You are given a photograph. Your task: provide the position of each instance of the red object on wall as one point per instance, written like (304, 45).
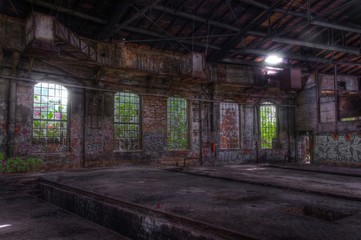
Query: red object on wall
(214, 147)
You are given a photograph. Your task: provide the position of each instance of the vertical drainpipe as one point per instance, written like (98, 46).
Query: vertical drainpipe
(336, 98)
(255, 131)
(289, 134)
(1, 56)
(200, 132)
(12, 107)
(83, 128)
(295, 133)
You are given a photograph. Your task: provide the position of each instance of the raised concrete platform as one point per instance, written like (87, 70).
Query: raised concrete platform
(24, 217)
(233, 202)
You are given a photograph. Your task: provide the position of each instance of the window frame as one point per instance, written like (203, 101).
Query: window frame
(238, 120)
(139, 123)
(268, 104)
(186, 118)
(62, 140)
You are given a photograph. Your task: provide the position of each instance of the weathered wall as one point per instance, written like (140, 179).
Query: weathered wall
(91, 82)
(335, 142)
(307, 110)
(341, 149)
(154, 125)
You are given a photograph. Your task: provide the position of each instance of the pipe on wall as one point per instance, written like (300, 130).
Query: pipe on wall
(84, 163)
(110, 90)
(12, 106)
(200, 132)
(336, 98)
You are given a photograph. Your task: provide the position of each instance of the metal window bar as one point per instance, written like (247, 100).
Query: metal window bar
(127, 128)
(50, 113)
(268, 124)
(229, 125)
(177, 119)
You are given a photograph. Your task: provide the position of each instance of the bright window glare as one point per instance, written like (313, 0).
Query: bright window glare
(5, 225)
(273, 59)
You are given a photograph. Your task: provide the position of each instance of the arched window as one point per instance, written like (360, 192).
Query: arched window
(268, 122)
(229, 125)
(127, 127)
(50, 113)
(177, 115)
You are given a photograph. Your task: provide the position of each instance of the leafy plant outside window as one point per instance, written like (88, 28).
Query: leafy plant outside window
(127, 128)
(177, 123)
(50, 113)
(268, 124)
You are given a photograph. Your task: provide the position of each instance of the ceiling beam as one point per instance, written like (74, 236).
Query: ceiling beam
(190, 16)
(288, 56)
(195, 18)
(336, 26)
(158, 35)
(67, 11)
(140, 13)
(321, 23)
(116, 13)
(316, 45)
(231, 43)
(251, 63)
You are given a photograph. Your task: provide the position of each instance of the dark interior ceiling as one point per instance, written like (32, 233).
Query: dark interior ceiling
(309, 34)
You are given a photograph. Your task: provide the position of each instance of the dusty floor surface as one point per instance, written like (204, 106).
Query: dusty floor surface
(234, 197)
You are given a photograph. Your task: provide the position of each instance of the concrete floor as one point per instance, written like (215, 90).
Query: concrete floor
(260, 201)
(279, 202)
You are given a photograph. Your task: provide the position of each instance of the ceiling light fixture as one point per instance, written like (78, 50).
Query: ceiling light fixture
(273, 59)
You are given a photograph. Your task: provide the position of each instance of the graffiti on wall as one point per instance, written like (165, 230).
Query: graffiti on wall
(154, 142)
(340, 148)
(267, 155)
(229, 125)
(236, 156)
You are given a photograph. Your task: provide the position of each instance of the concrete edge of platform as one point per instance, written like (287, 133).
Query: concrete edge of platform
(314, 170)
(128, 219)
(267, 184)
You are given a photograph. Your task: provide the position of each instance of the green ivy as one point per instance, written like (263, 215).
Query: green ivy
(18, 164)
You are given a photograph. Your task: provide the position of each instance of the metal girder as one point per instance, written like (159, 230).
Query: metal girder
(320, 23)
(67, 11)
(288, 56)
(150, 33)
(231, 43)
(316, 45)
(154, 34)
(251, 63)
(140, 13)
(336, 26)
(117, 12)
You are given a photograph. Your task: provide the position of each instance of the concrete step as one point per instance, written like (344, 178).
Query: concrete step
(129, 219)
